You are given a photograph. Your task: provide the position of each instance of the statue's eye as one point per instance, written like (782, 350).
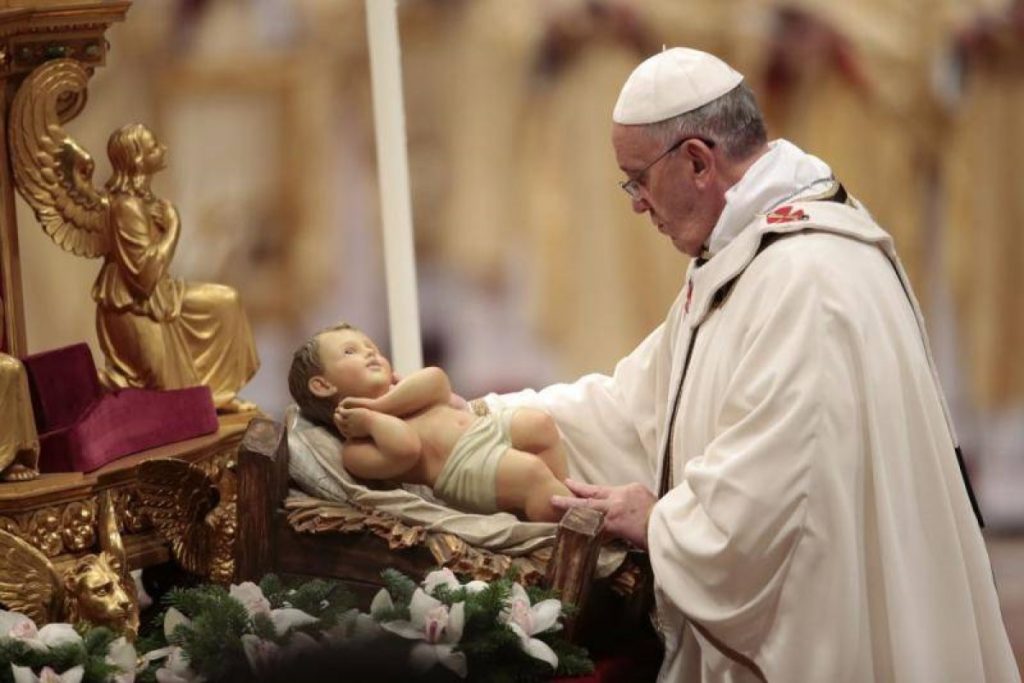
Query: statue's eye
(103, 590)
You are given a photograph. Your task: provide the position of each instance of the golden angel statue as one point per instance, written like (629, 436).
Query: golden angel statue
(156, 331)
(195, 512)
(97, 588)
(19, 443)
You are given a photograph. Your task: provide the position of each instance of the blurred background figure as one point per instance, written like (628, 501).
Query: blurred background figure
(532, 267)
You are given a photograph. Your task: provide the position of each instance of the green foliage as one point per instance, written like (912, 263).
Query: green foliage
(494, 652)
(90, 654)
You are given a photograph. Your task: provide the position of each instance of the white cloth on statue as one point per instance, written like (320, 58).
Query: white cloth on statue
(817, 526)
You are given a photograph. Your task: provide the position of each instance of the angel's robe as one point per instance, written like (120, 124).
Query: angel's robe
(161, 332)
(19, 443)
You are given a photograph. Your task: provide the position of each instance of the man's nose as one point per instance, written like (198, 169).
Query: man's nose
(640, 205)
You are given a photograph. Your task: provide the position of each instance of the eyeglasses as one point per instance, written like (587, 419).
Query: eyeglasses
(633, 185)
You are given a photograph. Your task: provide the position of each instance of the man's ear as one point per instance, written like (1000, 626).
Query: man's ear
(320, 387)
(700, 157)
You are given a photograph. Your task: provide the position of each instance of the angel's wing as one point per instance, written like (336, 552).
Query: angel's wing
(177, 496)
(28, 582)
(51, 172)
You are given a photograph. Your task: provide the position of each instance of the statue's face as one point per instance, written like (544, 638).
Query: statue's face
(153, 153)
(101, 597)
(353, 364)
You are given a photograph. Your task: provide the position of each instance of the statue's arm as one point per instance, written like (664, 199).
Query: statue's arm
(391, 449)
(143, 260)
(421, 389)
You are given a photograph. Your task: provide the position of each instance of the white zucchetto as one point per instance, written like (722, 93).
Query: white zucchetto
(671, 83)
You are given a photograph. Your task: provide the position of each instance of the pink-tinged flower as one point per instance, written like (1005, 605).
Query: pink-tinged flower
(527, 620)
(439, 626)
(23, 674)
(252, 599)
(19, 627)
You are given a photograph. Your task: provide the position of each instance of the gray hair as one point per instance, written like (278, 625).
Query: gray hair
(733, 121)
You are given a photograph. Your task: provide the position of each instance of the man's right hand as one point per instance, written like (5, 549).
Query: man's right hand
(627, 508)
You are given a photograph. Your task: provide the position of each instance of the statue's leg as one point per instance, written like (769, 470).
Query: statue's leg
(216, 331)
(19, 446)
(534, 431)
(524, 484)
(142, 352)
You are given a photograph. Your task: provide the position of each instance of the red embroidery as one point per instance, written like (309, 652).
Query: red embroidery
(786, 214)
(689, 296)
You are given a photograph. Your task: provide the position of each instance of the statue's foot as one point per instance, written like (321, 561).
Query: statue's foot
(19, 472)
(237, 405)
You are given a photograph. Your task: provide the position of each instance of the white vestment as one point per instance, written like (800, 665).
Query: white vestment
(816, 526)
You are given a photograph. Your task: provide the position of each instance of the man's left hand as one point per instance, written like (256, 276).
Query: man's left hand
(626, 508)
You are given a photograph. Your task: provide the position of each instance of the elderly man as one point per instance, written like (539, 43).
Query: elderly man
(780, 444)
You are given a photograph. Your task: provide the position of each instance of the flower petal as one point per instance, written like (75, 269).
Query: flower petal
(456, 661)
(23, 674)
(538, 649)
(420, 604)
(55, 635)
(381, 601)
(474, 587)
(422, 657)
(405, 629)
(519, 593)
(441, 577)
(250, 596)
(121, 654)
(172, 619)
(73, 675)
(287, 618)
(10, 620)
(545, 615)
(456, 621)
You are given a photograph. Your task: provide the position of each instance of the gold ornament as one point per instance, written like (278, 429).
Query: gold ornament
(195, 512)
(156, 331)
(96, 589)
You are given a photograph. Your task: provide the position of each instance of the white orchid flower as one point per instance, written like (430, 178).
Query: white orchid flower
(251, 597)
(446, 577)
(122, 655)
(254, 602)
(439, 627)
(172, 619)
(441, 577)
(527, 621)
(23, 674)
(176, 669)
(19, 627)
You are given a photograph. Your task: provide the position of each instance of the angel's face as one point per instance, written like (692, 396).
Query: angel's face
(352, 365)
(153, 153)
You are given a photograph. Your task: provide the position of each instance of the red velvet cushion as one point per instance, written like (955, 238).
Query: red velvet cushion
(63, 383)
(82, 427)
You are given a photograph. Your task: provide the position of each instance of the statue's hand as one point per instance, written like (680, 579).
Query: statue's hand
(360, 402)
(162, 214)
(353, 423)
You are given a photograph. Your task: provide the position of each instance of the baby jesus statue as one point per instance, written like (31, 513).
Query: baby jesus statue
(406, 431)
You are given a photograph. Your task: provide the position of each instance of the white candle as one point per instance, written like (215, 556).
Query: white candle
(393, 175)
